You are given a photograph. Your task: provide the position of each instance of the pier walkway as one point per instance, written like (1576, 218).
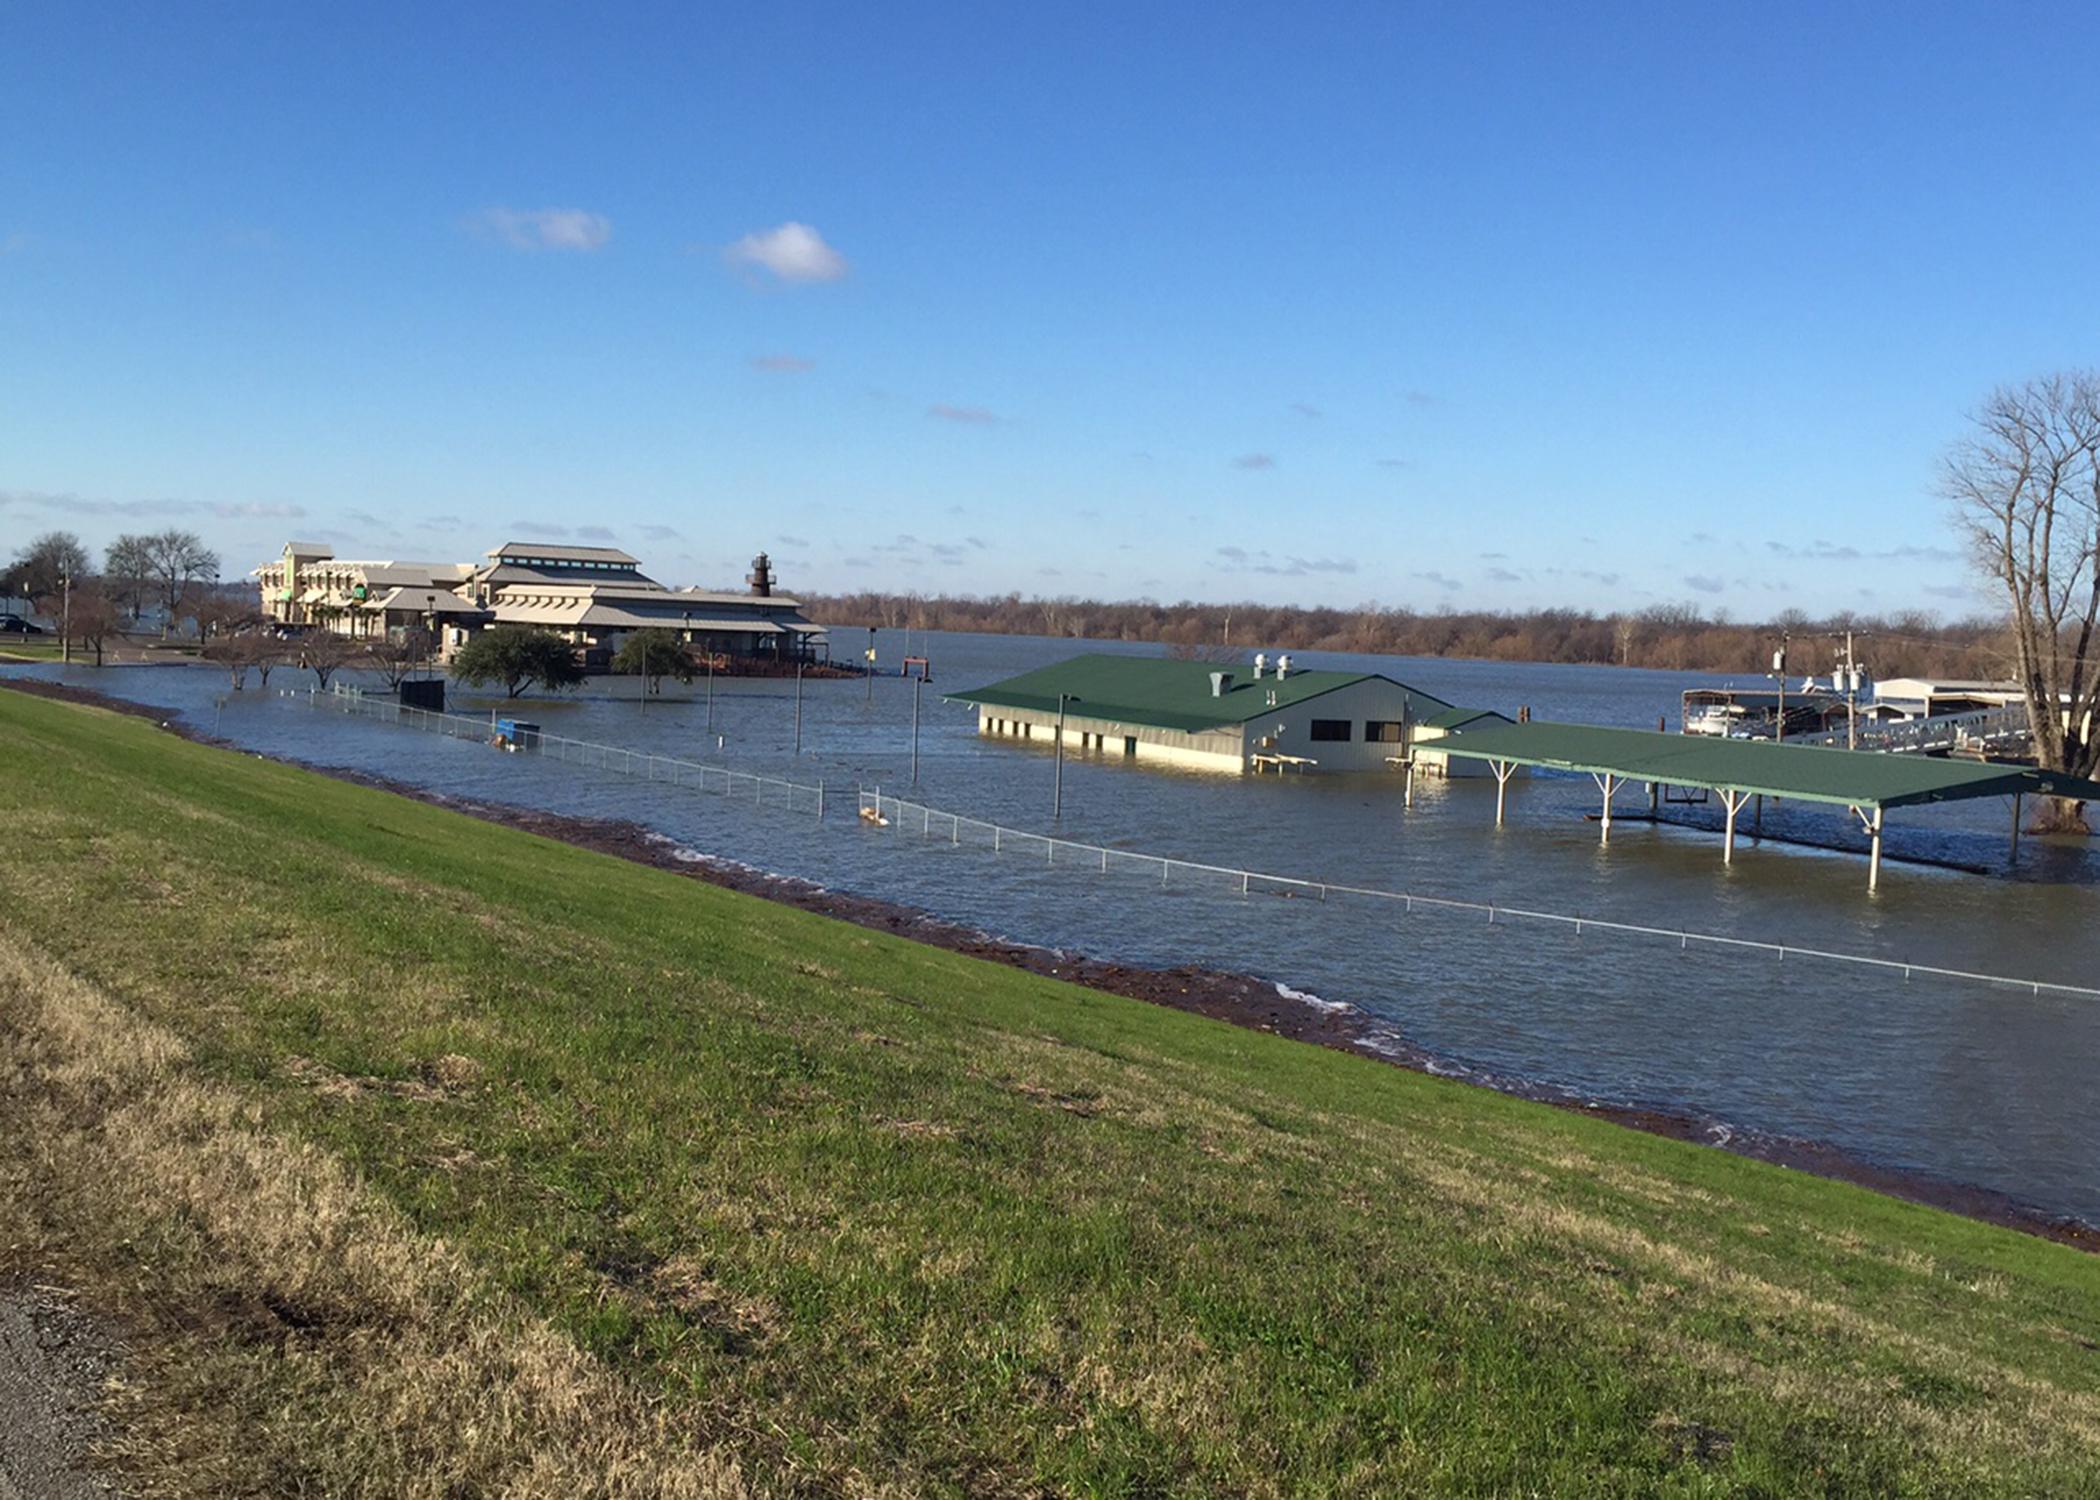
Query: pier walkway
(1739, 770)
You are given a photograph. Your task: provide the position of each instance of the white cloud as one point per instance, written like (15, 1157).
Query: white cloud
(792, 252)
(548, 228)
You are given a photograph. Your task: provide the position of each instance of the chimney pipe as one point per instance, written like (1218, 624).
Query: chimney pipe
(1261, 662)
(1283, 666)
(1220, 684)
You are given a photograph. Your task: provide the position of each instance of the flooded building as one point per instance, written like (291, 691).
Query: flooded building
(1232, 718)
(593, 597)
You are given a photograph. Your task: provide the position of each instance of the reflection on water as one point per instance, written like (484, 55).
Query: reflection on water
(1978, 1084)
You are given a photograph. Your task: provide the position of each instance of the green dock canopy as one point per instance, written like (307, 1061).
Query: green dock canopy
(1808, 773)
(1170, 694)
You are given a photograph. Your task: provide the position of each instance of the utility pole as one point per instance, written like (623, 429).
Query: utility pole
(871, 665)
(798, 705)
(1851, 671)
(1779, 671)
(916, 684)
(710, 689)
(65, 618)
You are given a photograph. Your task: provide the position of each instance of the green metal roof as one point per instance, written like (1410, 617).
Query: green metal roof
(1458, 718)
(1808, 773)
(1166, 694)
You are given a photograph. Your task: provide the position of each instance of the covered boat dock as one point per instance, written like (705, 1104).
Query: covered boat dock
(1738, 770)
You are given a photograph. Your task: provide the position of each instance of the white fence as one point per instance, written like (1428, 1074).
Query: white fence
(763, 791)
(1081, 858)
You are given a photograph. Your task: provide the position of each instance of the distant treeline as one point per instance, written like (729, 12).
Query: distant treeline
(1677, 637)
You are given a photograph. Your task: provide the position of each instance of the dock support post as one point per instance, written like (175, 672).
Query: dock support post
(1408, 797)
(1503, 770)
(1733, 802)
(1654, 799)
(1757, 818)
(1874, 858)
(2014, 861)
(1610, 785)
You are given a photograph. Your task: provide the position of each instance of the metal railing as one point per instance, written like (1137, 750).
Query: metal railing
(1981, 729)
(1075, 856)
(762, 791)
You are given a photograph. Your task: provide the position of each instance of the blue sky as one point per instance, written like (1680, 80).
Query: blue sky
(1426, 305)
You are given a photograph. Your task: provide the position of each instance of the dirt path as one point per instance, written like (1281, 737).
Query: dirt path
(53, 1360)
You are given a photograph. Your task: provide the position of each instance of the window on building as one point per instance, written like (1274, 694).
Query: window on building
(1330, 730)
(1384, 731)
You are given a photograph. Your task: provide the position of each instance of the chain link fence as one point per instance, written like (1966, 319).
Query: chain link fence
(1074, 856)
(522, 737)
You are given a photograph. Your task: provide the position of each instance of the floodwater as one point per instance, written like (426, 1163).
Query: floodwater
(1978, 1084)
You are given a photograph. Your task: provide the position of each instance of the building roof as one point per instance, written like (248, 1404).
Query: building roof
(1171, 694)
(1458, 718)
(535, 586)
(425, 601)
(1808, 773)
(619, 617)
(556, 552)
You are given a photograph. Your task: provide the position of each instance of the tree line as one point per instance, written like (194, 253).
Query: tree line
(1678, 637)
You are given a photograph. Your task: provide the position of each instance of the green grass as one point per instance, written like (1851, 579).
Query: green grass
(14, 648)
(905, 1218)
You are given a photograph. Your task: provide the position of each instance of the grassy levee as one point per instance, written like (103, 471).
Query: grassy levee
(559, 1174)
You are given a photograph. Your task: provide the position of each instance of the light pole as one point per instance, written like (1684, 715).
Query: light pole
(916, 684)
(65, 618)
(1057, 782)
(871, 665)
(798, 705)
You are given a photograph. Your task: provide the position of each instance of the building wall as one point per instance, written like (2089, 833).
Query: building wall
(1218, 751)
(1286, 731)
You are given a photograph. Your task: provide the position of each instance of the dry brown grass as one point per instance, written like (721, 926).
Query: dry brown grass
(289, 1331)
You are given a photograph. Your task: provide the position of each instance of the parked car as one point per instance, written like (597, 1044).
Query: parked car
(16, 625)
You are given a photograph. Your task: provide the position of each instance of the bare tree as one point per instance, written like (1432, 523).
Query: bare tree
(87, 616)
(178, 559)
(324, 653)
(236, 653)
(219, 614)
(45, 564)
(2026, 486)
(265, 651)
(127, 569)
(396, 658)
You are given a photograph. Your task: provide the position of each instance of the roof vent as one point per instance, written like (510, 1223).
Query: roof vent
(1261, 664)
(1220, 684)
(1283, 666)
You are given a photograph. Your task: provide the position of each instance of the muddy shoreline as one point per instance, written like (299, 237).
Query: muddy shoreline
(1237, 999)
